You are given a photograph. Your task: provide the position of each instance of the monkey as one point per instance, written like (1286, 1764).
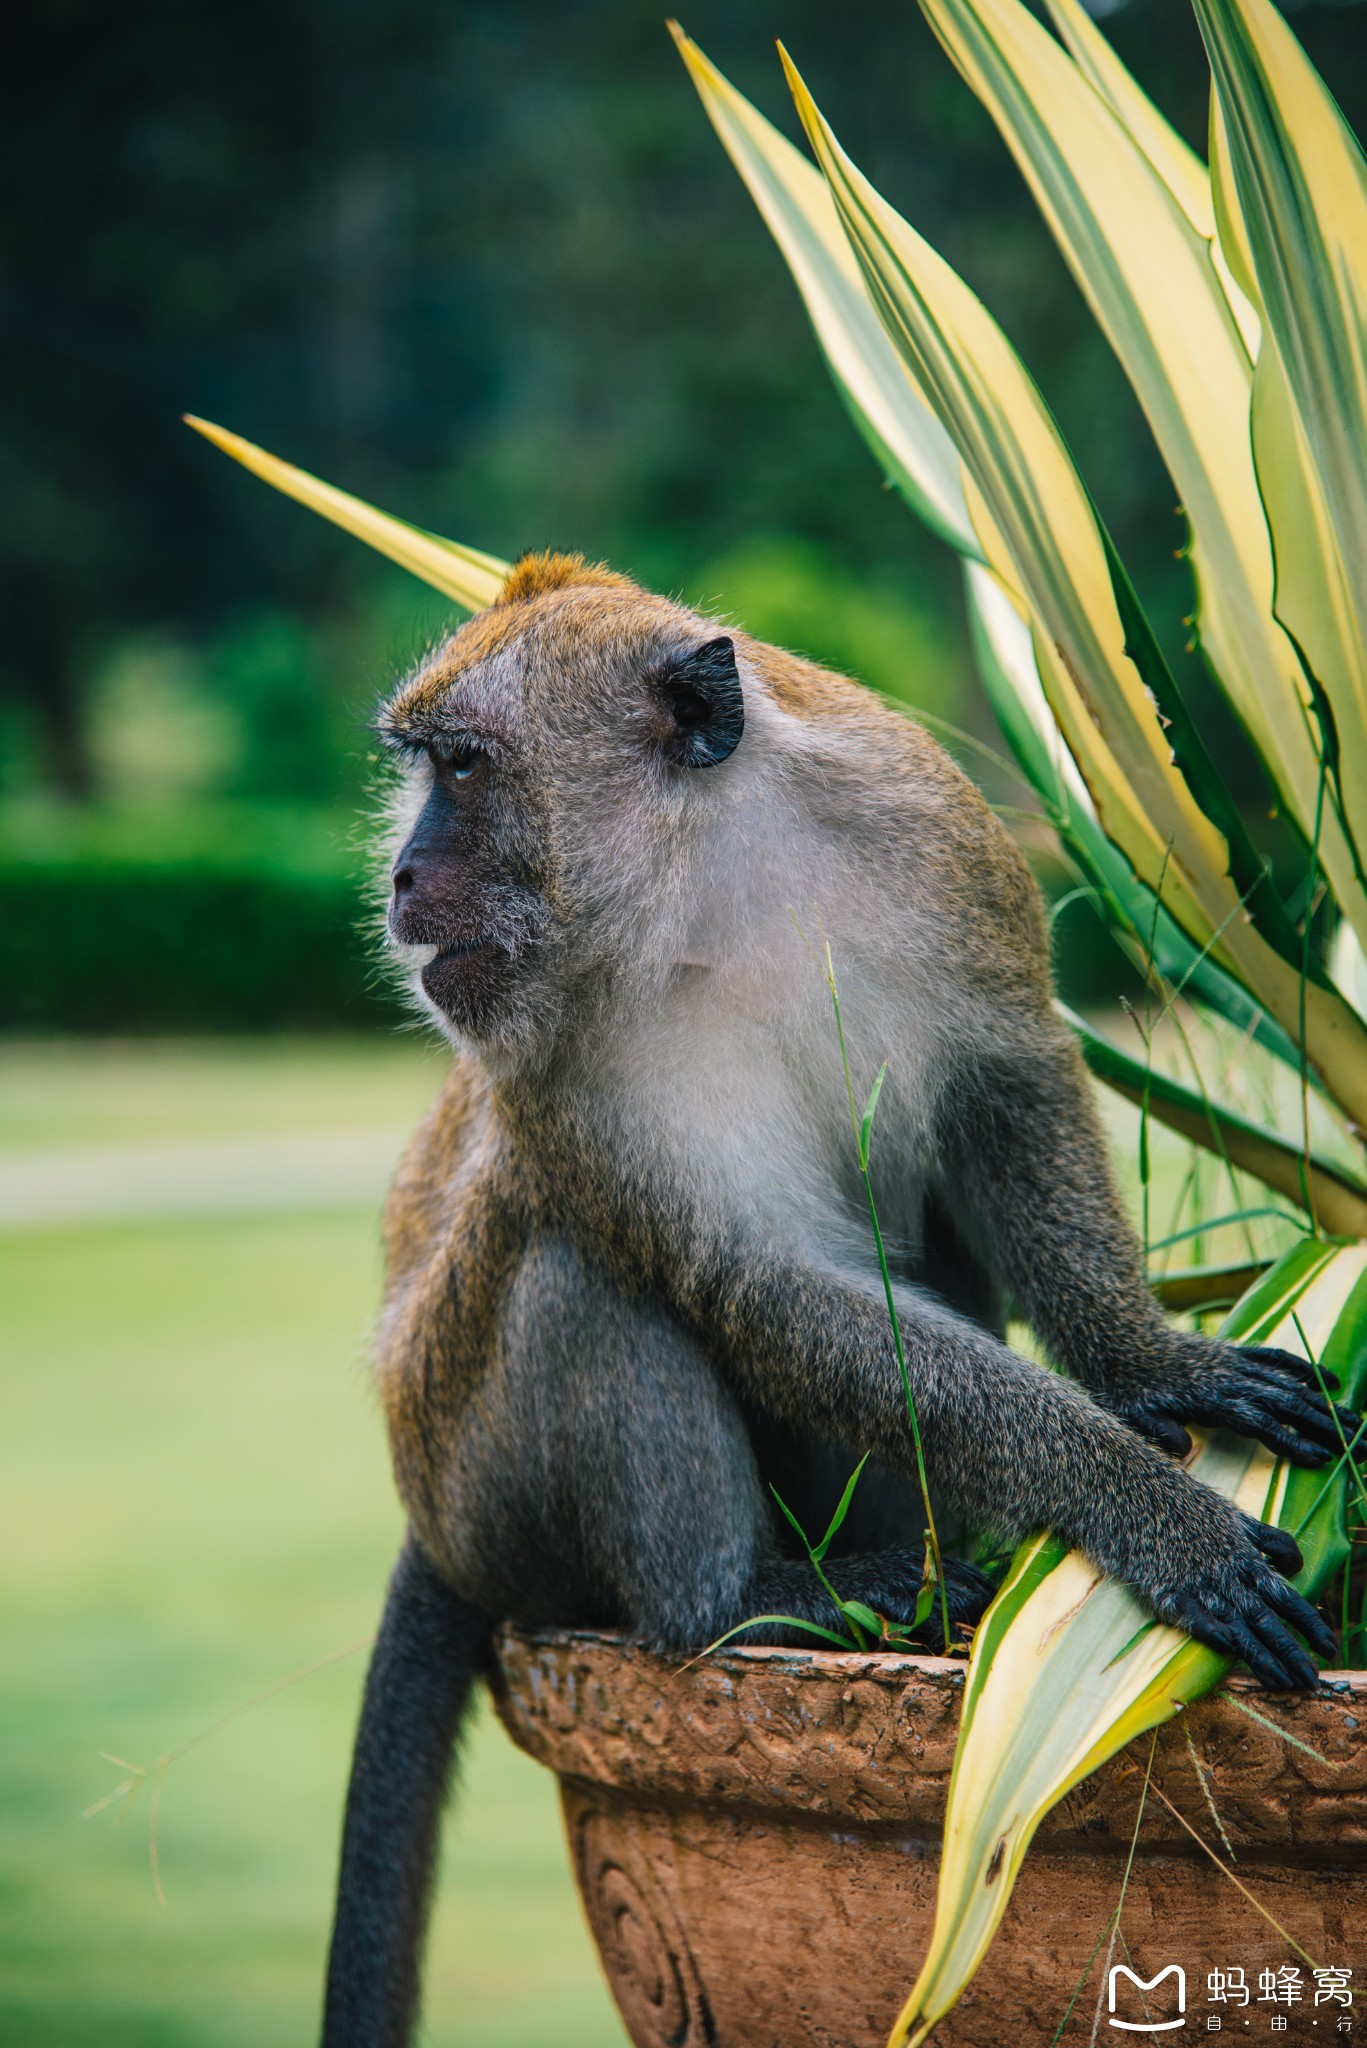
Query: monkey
(630, 1281)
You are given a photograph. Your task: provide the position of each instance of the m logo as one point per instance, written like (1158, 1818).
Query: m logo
(1149, 1984)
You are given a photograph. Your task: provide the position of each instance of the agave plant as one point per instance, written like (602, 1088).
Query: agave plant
(1235, 297)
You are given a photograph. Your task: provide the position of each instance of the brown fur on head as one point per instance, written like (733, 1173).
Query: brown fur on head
(533, 573)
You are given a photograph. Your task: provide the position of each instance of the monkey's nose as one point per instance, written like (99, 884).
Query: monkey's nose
(402, 881)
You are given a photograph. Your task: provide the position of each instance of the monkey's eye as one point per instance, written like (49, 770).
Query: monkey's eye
(455, 758)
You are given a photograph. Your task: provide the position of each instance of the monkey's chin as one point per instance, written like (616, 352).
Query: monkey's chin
(469, 984)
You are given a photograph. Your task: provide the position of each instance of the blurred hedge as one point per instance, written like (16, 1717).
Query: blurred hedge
(220, 918)
(245, 917)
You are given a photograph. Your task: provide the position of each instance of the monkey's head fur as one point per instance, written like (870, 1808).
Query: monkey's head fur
(603, 791)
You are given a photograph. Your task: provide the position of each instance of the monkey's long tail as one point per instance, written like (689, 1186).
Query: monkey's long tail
(429, 1652)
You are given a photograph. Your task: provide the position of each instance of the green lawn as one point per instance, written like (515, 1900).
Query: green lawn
(195, 1501)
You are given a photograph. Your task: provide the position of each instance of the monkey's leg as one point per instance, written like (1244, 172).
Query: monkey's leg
(889, 1581)
(426, 1657)
(1027, 1175)
(617, 1460)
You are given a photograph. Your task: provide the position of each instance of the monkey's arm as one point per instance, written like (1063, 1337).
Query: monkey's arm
(1012, 1446)
(1025, 1171)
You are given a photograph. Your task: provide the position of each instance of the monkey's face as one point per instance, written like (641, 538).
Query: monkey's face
(462, 892)
(545, 750)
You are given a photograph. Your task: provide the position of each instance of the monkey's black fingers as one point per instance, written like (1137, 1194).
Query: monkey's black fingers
(1222, 1629)
(1159, 1427)
(1297, 1610)
(1269, 1356)
(1154, 1418)
(1249, 1419)
(1294, 1403)
(1279, 1546)
(1293, 1424)
(1271, 1651)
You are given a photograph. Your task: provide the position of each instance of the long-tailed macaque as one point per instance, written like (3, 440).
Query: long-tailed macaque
(630, 1278)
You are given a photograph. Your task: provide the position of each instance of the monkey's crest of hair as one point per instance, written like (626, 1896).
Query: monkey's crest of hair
(534, 573)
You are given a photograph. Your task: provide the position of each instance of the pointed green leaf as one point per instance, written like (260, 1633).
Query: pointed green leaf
(842, 1509)
(1148, 276)
(468, 576)
(1176, 164)
(1005, 658)
(870, 1108)
(906, 438)
(1042, 540)
(930, 1588)
(1295, 204)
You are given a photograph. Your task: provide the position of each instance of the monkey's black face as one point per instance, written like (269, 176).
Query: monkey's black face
(462, 886)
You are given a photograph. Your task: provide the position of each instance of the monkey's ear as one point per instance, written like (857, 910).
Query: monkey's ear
(701, 692)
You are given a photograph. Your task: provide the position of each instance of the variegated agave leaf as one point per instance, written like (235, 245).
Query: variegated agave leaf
(466, 575)
(1067, 1666)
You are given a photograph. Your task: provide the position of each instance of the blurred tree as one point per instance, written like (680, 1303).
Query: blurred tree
(486, 264)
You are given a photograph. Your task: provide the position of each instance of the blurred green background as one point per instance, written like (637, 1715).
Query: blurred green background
(195, 1502)
(487, 266)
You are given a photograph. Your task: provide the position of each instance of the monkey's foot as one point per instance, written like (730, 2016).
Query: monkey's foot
(889, 1582)
(1242, 1611)
(1255, 1391)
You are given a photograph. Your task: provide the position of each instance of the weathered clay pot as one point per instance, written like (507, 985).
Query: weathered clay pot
(756, 1841)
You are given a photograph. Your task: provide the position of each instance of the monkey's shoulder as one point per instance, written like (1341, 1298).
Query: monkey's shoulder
(914, 833)
(438, 1157)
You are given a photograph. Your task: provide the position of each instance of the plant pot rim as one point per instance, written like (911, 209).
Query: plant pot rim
(867, 1739)
(912, 1662)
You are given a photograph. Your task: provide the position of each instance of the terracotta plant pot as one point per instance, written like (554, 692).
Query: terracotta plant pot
(756, 1840)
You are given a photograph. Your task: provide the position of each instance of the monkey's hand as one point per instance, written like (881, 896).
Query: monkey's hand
(1251, 1389)
(1241, 1604)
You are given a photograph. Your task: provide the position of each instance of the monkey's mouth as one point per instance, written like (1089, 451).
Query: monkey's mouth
(467, 978)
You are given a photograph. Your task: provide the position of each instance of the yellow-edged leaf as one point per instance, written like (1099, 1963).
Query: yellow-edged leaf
(1231, 234)
(1147, 273)
(1335, 1200)
(1175, 162)
(797, 208)
(793, 198)
(1294, 202)
(1067, 1667)
(1040, 537)
(467, 575)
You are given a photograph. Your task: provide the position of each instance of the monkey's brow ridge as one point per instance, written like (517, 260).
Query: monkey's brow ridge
(418, 728)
